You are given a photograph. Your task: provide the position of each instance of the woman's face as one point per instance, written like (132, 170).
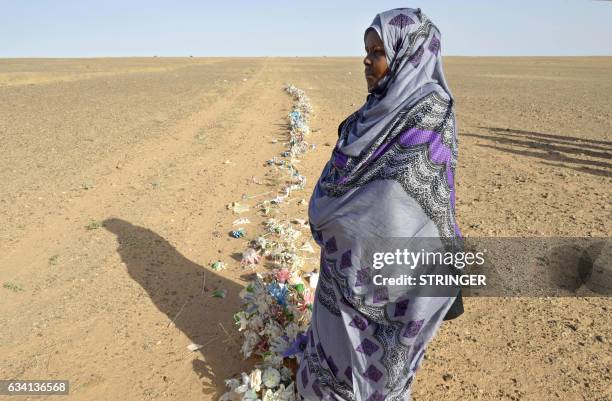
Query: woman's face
(375, 60)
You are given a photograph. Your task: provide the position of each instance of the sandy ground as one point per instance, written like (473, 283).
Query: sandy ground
(138, 146)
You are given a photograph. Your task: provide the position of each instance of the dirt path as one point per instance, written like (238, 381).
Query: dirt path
(99, 311)
(139, 147)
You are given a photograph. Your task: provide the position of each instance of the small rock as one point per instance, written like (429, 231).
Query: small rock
(447, 376)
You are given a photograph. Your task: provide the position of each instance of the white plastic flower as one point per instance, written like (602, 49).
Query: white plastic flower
(271, 378)
(245, 384)
(292, 330)
(255, 380)
(313, 280)
(232, 383)
(279, 344)
(285, 373)
(286, 394)
(273, 359)
(262, 301)
(269, 395)
(273, 330)
(295, 278)
(242, 321)
(250, 257)
(250, 395)
(256, 323)
(250, 340)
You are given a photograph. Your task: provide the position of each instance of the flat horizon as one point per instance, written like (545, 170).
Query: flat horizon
(246, 57)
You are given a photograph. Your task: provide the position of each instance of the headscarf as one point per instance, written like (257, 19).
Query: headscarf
(412, 47)
(411, 107)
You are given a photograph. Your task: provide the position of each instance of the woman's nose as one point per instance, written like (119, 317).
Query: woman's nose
(367, 61)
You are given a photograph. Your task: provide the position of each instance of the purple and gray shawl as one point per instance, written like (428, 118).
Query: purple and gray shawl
(391, 175)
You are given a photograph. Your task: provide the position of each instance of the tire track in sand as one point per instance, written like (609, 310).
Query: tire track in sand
(91, 298)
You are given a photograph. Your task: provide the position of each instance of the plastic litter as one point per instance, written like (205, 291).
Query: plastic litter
(241, 221)
(217, 265)
(307, 247)
(301, 222)
(278, 301)
(237, 207)
(238, 233)
(250, 257)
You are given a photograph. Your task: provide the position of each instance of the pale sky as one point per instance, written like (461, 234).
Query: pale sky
(85, 28)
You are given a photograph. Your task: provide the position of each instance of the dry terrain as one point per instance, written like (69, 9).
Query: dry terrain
(114, 185)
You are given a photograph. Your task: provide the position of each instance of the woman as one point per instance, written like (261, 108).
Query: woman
(391, 175)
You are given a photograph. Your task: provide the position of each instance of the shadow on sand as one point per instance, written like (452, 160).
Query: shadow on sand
(555, 150)
(176, 286)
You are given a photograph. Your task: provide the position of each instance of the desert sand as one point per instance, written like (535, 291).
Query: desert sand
(114, 185)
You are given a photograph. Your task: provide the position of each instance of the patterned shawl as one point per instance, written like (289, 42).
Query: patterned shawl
(405, 132)
(391, 175)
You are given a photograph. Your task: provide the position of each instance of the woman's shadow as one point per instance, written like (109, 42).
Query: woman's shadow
(182, 290)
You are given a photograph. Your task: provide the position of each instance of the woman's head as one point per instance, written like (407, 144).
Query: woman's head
(402, 53)
(375, 61)
(402, 65)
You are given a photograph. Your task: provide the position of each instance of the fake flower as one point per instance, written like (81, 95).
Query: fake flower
(237, 207)
(313, 280)
(250, 257)
(283, 275)
(278, 292)
(238, 233)
(307, 300)
(276, 305)
(255, 379)
(217, 265)
(271, 377)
